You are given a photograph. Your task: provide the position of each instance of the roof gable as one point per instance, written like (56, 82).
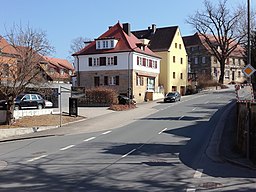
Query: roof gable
(160, 39)
(125, 43)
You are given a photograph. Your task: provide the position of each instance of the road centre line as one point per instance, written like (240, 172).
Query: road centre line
(89, 139)
(194, 109)
(198, 173)
(162, 131)
(36, 158)
(128, 153)
(106, 132)
(68, 147)
(206, 102)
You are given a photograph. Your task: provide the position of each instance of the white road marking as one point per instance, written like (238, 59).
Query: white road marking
(162, 131)
(128, 153)
(36, 158)
(206, 102)
(89, 139)
(194, 109)
(106, 132)
(181, 117)
(190, 190)
(198, 173)
(68, 147)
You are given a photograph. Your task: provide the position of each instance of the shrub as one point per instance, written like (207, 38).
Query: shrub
(120, 107)
(101, 95)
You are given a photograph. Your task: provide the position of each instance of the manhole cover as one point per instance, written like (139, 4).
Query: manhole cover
(210, 185)
(3, 164)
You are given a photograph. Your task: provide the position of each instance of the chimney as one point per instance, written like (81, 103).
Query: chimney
(127, 28)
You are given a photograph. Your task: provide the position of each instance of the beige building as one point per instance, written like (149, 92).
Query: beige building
(168, 44)
(202, 62)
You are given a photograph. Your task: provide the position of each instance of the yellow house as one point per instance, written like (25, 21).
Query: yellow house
(167, 42)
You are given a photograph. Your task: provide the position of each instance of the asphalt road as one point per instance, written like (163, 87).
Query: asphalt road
(163, 151)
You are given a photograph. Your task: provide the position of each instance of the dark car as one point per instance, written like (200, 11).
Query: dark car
(172, 97)
(125, 100)
(25, 101)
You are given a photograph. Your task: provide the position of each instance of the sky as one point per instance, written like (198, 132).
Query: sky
(65, 20)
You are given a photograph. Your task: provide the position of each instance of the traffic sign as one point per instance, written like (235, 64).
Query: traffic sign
(248, 70)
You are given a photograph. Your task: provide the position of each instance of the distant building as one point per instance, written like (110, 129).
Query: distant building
(119, 60)
(168, 44)
(202, 62)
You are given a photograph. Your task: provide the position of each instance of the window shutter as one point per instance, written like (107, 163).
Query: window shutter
(102, 61)
(90, 61)
(115, 60)
(117, 80)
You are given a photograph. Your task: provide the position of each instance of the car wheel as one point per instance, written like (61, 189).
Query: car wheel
(16, 107)
(40, 106)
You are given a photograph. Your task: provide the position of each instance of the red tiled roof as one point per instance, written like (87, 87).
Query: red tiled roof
(5, 47)
(59, 63)
(125, 43)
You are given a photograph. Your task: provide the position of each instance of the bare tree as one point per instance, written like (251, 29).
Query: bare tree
(78, 44)
(221, 29)
(23, 68)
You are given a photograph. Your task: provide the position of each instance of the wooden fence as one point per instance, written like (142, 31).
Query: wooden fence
(246, 121)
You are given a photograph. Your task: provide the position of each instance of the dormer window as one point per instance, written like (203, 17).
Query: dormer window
(106, 43)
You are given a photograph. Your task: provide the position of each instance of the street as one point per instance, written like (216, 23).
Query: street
(163, 151)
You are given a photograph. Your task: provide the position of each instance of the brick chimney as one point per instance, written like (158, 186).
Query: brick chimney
(127, 28)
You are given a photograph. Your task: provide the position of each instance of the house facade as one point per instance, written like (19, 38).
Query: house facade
(202, 62)
(120, 61)
(168, 44)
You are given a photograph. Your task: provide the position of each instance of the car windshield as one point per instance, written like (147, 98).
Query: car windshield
(171, 94)
(19, 97)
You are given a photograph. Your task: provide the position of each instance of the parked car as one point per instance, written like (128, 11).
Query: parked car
(125, 100)
(24, 101)
(48, 104)
(172, 97)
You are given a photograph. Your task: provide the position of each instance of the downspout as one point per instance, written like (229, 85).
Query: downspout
(78, 72)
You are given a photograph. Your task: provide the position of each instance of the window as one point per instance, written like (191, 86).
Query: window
(113, 80)
(33, 97)
(90, 61)
(106, 44)
(234, 61)
(144, 62)
(181, 60)
(105, 80)
(112, 43)
(239, 74)
(139, 80)
(203, 59)
(215, 60)
(102, 61)
(173, 75)
(239, 61)
(181, 76)
(96, 81)
(179, 46)
(173, 59)
(196, 60)
(98, 44)
(175, 45)
(150, 63)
